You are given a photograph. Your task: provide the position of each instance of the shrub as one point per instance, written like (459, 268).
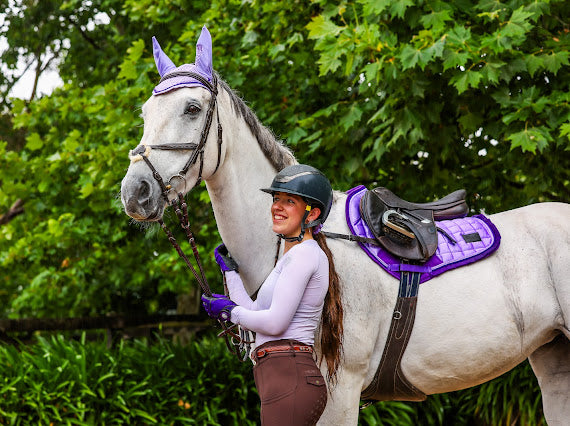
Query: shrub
(76, 382)
(63, 381)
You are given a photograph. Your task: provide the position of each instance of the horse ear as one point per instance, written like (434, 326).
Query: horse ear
(163, 62)
(204, 53)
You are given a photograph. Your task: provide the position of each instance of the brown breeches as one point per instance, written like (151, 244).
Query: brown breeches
(290, 385)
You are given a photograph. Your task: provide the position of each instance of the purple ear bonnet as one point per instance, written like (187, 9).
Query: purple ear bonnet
(202, 65)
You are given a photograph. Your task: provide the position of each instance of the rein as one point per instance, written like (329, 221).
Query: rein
(240, 345)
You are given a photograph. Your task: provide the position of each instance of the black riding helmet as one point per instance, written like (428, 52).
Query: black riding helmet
(308, 183)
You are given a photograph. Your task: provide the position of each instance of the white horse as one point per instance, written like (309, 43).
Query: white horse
(472, 324)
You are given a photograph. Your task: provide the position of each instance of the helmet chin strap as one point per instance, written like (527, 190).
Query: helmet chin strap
(304, 226)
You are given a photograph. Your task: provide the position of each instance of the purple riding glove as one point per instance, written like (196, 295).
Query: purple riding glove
(218, 306)
(225, 259)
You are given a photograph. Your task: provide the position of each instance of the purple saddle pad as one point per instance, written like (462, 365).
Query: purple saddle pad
(476, 237)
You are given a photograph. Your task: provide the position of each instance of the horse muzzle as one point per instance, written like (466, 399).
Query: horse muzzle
(142, 198)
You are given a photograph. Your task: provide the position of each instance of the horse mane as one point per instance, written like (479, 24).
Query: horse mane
(274, 149)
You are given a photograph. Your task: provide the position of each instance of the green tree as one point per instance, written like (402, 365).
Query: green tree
(421, 97)
(73, 251)
(447, 93)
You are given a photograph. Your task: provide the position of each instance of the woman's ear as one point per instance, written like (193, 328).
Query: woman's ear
(314, 214)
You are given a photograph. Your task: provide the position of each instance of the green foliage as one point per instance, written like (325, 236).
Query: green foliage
(74, 251)
(66, 382)
(477, 87)
(77, 382)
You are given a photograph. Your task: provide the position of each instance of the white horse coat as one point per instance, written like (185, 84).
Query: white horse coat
(472, 323)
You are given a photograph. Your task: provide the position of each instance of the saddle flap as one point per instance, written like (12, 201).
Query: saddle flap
(406, 234)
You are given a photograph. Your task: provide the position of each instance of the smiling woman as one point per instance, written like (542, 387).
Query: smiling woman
(301, 292)
(287, 213)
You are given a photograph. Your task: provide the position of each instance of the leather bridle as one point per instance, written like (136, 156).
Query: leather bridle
(197, 149)
(237, 344)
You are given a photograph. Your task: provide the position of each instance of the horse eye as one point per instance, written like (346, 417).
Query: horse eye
(192, 109)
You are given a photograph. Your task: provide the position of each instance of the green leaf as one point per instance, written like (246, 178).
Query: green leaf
(34, 142)
(529, 140)
(372, 71)
(296, 135)
(459, 36)
(436, 20)
(71, 142)
(128, 67)
(249, 38)
(320, 27)
(374, 7)
(517, 25)
(275, 50)
(295, 38)
(329, 61)
(555, 60)
(353, 116)
(409, 57)
(497, 42)
(492, 70)
(454, 59)
(565, 130)
(128, 71)
(87, 189)
(398, 8)
(465, 79)
(136, 50)
(534, 63)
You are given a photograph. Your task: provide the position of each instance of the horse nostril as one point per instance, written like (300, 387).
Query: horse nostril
(144, 191)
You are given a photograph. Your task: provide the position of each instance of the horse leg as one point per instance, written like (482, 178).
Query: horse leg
(343, 405)
(551, 365)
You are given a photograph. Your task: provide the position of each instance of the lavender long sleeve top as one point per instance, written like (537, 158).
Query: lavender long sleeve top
(290, 301)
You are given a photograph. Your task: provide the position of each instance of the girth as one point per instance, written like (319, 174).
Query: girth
(389, 382)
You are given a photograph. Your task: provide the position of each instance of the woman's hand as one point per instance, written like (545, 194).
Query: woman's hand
(225, 259)
(218, 306)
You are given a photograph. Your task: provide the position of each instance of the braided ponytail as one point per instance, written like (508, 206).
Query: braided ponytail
(332, 318)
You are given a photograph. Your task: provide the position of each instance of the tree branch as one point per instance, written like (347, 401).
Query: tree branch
(83, 33)
(16, 209)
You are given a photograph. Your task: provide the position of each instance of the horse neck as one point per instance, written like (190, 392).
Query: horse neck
(241, 210)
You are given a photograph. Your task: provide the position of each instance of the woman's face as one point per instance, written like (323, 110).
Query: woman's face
(287, 212)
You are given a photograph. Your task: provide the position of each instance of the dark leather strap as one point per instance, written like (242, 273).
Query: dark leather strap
(172, 147)
(389, 382)
(351, 237)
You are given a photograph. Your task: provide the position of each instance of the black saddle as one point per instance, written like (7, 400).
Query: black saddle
(405, 229)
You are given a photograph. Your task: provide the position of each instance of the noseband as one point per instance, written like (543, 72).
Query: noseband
(197, 149)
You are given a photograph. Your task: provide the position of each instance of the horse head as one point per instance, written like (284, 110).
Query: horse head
(182, 108)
